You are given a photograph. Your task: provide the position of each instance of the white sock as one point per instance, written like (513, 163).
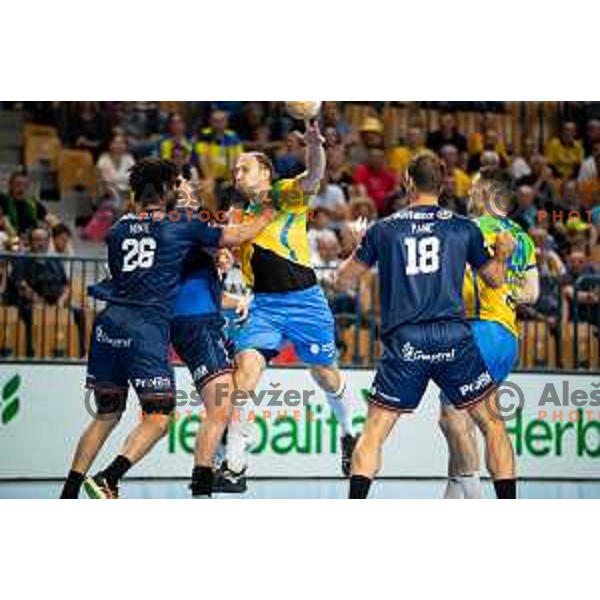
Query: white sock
(454, 489)
(471, 486)
(340, 405)
(238, 442)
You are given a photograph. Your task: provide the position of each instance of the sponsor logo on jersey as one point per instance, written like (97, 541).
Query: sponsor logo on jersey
(412, 354)
(156, 383)
(200, 373)
(483, 380)
(103, 338)
(412, 215)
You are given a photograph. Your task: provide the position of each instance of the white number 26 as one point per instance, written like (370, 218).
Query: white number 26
(139, 253)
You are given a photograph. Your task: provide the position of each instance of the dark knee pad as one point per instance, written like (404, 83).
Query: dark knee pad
(162, 404)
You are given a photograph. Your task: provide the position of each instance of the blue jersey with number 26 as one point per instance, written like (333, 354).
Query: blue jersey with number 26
(146, 257)
(421, 253)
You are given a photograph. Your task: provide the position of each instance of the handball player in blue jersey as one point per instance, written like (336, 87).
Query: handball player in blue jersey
(421, 253)
(130, 337)
(197, 335)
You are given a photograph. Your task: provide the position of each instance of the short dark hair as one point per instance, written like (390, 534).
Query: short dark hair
(427, 172)
(61, 229)
(151, 178)
(21, 171)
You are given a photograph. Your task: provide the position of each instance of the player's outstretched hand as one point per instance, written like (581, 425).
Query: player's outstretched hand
(504, 246)
(313, 136)
(241, 310)
(359, 228)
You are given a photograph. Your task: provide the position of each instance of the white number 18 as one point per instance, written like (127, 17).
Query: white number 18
(423, 255)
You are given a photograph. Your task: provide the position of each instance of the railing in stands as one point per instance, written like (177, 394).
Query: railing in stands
(47, 314)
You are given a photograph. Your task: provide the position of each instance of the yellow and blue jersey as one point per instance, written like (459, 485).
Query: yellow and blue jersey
(498, 304)
(278, 260)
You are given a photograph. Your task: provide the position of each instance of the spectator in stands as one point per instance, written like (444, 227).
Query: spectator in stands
(370, 136)
(488, 166)
(591, 165)
(114, 165)
(249, 121)
(319, 222)
(23, 210)
(330, 117)
(338, 172)
(589, 182)
(141, 123)
(542, 181)
(477, 142)
(7, 231)
(290, 162)
(86, 128)
(521, 164)
(451, 158)
(490, 144)
(217, 148)
(565, 153)
(588, 297)
(450, 198)
(401, 155)
(527, 213)
(447, 134)
(378, 181)
(552, 270)
(592, 136)
(36, 279)
(175, 137)
(331, 198)
(340, 303)
(61, 239)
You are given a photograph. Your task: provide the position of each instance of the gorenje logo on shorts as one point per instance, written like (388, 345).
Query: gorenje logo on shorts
(9, 404)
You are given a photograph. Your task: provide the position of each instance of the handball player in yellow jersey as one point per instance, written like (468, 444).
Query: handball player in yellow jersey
(492, 314)
(287, 304)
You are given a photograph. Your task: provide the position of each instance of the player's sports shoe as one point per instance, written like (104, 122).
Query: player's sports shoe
(348, 445)
(99, 488)
(228, 481)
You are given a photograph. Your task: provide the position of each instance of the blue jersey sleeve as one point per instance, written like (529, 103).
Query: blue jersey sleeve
(477, 254)
(367, 251)
(205, 235)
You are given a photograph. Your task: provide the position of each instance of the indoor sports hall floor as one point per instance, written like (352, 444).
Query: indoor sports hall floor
(310, 488)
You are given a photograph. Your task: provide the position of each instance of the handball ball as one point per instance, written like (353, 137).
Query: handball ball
(303, 110)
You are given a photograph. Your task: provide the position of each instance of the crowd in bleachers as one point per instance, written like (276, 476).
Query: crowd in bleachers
(551, 151)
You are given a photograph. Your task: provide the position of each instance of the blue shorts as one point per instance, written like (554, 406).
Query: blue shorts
(302, 318)
(498, 346)
(200, 343)
(130, 346)
(444, 352)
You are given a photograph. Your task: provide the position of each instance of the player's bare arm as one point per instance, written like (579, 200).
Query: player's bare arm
(315, 157)
(529, 293)
(236, 235)
(235, 302)
(494, 271)
(348, 274)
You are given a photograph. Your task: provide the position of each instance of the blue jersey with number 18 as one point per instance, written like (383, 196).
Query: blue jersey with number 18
(146, 256)
(421, 253)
